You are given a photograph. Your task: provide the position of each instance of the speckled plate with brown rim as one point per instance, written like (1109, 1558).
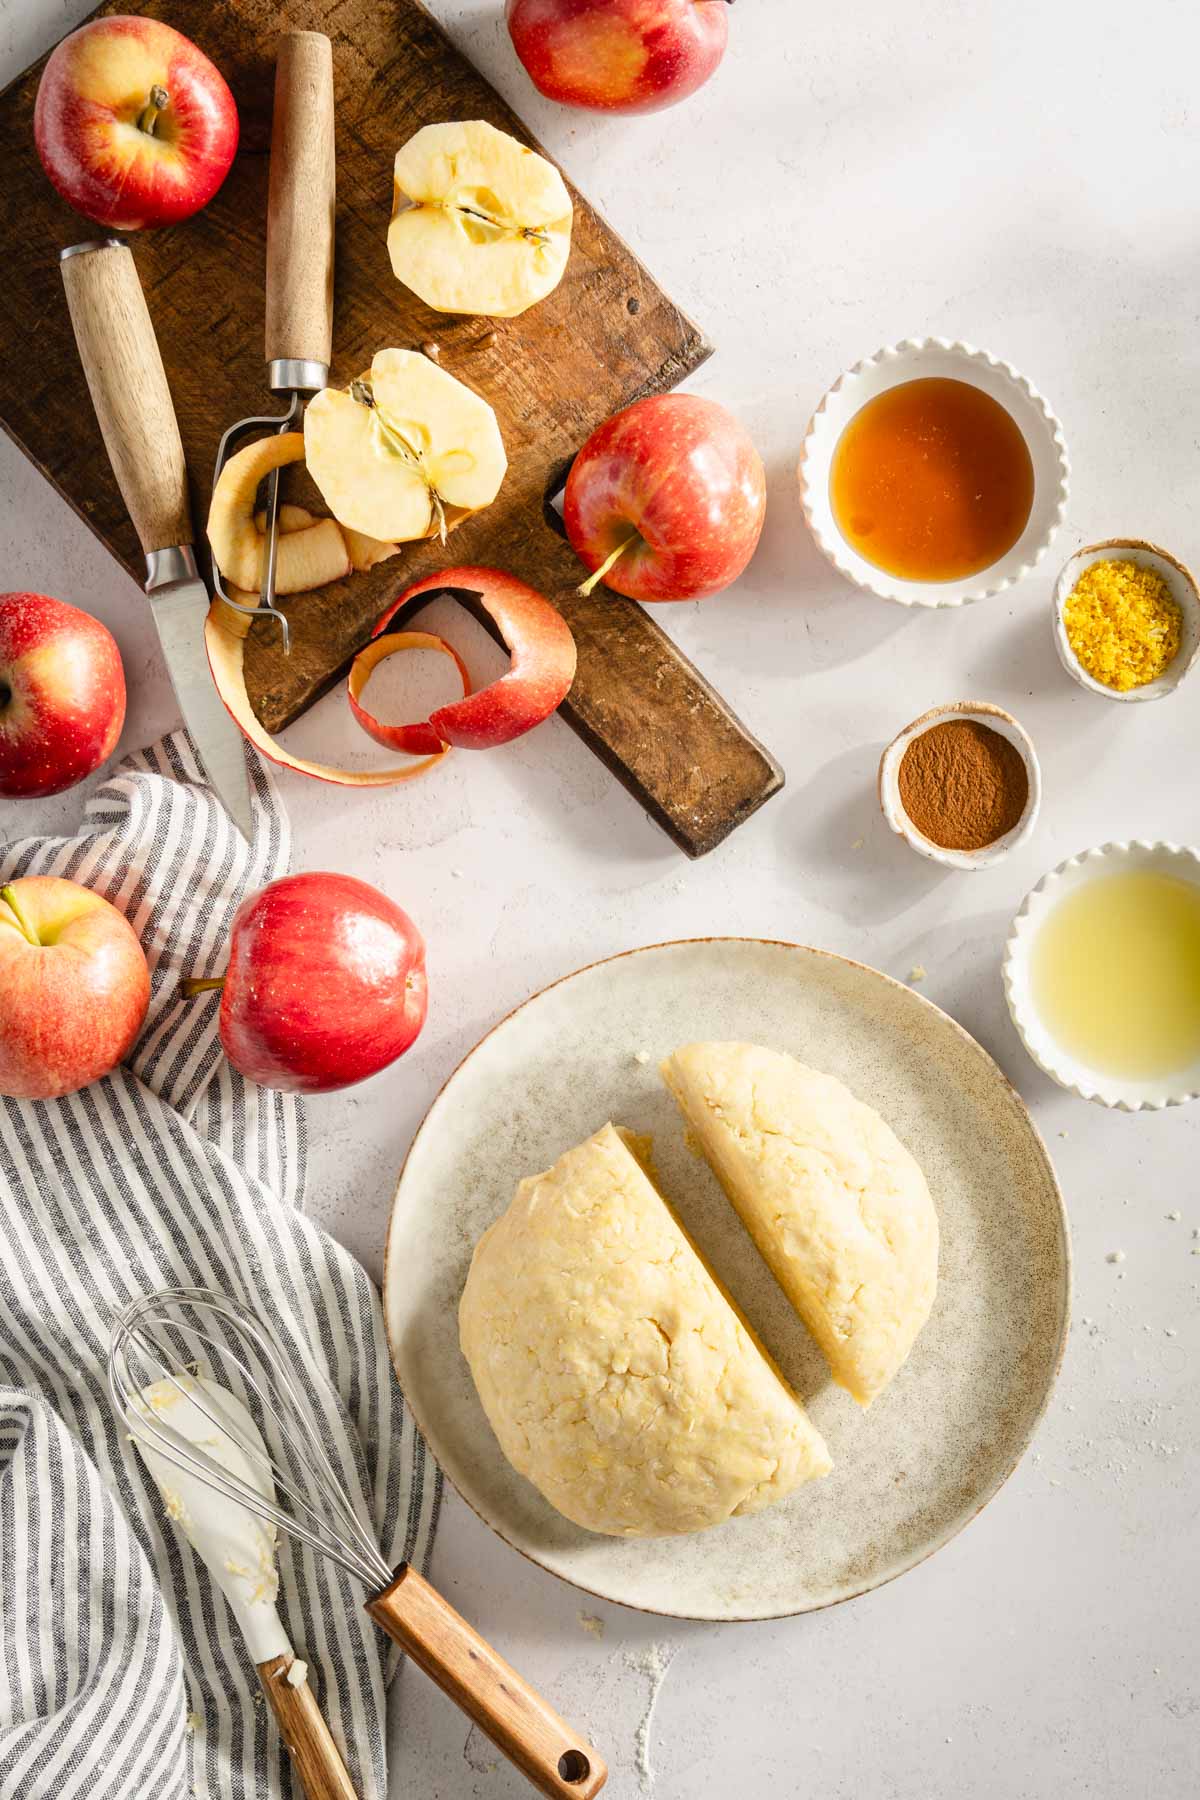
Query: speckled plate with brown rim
(934, 1448)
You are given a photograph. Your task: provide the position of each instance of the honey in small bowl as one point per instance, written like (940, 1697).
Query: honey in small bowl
(932, 480)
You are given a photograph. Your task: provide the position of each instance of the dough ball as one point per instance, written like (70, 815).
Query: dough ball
(615, 1372)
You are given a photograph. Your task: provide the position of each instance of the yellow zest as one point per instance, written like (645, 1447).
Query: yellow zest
(1123, 623)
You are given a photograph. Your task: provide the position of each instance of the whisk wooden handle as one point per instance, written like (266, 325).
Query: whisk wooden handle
(124, 369)
(519, 1722)
(316, 1759)
(300, 202)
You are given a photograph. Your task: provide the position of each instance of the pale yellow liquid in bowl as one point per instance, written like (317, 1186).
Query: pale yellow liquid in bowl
(1115, 974)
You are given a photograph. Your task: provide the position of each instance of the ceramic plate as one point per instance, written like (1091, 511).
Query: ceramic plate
(935, 1446)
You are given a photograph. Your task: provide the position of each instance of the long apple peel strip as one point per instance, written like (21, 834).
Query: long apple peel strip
(418, 738)
(226, 659)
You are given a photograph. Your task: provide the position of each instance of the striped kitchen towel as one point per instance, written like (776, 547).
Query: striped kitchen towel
(122, 1674)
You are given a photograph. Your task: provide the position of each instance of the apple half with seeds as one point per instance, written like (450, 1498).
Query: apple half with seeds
(405, 451)
(480, 222)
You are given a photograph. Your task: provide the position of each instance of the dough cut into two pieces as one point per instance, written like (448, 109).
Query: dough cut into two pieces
(617, 1373)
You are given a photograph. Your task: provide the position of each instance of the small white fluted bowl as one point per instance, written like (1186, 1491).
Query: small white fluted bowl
(916, 359)
(1091, 1084)
(1179, 579)
(893, 807)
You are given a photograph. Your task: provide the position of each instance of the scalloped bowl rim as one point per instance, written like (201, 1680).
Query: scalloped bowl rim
(1089, 1084)
(1000, 575)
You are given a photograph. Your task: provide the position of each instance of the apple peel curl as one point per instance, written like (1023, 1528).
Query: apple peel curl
(538, 640)
(226, 659)
(416, 740)
(536, 636)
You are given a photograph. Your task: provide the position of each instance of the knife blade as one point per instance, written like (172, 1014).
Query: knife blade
(179, 609)
(128, 385)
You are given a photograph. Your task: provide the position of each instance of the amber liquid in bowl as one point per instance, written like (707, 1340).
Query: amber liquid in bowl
(932, 480)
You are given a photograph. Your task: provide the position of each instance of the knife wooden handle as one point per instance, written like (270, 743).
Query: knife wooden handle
(558, 1762)
(316, 1760)
(124, 370)
(300, 202)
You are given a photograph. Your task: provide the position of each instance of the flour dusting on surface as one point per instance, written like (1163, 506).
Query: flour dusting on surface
(593, 1625)
(652, 1662)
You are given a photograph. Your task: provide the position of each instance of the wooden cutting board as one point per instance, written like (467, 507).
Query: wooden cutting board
(607, 336)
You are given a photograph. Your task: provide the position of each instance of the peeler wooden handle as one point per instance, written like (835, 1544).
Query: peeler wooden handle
(120, 357)
(519, 1722)
(316, 1759)
(300, 203)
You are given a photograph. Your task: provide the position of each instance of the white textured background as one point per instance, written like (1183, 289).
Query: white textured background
(1024, 176)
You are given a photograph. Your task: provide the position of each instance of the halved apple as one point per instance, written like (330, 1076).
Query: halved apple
(405, 451)
(480, 223)
(543, 664)
(307, 558)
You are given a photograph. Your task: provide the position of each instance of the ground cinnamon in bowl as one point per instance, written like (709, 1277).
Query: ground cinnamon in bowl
(963, 785)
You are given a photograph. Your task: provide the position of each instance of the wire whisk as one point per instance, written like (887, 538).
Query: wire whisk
(161, 1337)
(164, 1337)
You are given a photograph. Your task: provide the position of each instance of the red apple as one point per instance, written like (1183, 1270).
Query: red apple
(133, 124)
(74, 987)
(543, 666)
(62, 695)
(623, 56)
(325, 984)
(666, 500)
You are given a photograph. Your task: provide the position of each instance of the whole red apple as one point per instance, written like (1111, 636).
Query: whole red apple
(539, 641)
(62, 695)
(666, 500)
(133, 124)
(623, 56)
(74, 987)
(325, 984)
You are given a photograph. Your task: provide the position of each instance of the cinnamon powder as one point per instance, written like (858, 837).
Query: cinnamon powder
(963, 785)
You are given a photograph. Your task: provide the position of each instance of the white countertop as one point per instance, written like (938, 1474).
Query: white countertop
(1023, 176)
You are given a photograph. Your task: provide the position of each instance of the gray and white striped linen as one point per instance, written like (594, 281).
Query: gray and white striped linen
(122, 1675)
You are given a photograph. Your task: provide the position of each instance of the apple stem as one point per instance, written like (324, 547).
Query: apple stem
(585, 587)
(201, 984)
(158, 102)
(27, 930)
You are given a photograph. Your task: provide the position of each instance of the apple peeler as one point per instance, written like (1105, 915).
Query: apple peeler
(299, 314)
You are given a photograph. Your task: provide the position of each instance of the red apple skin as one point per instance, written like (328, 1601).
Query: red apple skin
(325, 986)
(74, 987)
(619, 56)
(542, 648)
(94, 90)
(62, 695)
(679, 471)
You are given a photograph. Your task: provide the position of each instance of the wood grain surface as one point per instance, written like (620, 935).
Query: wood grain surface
(301, 202)
(607, 336)
(316, 1760)
(124, 372)
(558, 1761)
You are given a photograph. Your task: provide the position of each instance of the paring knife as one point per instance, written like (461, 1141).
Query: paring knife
(128, 384)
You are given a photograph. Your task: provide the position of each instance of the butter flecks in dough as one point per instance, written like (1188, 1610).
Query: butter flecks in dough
(615, 1373)
(838, 1208)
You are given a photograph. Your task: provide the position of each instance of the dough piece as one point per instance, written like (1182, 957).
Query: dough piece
(837, 1206)
(616, 1374)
